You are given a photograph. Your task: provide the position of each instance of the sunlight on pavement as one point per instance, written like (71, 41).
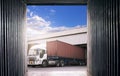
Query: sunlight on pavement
(58, 73)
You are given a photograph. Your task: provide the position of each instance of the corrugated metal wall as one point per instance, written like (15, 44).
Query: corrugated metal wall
(104, 37)
(12, 38)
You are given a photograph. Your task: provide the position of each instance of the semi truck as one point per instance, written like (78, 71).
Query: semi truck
(56, 53)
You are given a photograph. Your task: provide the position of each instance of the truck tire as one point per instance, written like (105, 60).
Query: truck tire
(33, 66)
(57, 64)
(62, 63)
(80, 63)
(44, 63)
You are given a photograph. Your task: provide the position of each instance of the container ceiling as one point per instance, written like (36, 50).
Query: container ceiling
(56, 2)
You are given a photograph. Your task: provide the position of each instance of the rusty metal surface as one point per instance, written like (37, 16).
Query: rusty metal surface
(104, 37)
(62, 49)
(12, 38)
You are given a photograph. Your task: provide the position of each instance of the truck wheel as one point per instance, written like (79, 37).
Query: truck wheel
(44, 63)
(62, 63)
(33, 66)
(58, 64)
(80, 63)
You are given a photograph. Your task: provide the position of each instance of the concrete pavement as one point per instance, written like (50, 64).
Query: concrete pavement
(58, 71)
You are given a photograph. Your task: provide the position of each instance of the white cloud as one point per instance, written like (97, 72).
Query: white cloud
(32, 32)
(52, 11)
(38, 25)
(57, 29)
(28, 10)
(48, 29)
(37, 22)
(31, 14)
(79, 26)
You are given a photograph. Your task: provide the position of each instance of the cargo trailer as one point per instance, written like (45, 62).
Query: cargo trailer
(56, 53)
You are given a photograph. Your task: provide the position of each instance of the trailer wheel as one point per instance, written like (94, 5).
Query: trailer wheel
(62, 63)
(81, 63)
(44, 63)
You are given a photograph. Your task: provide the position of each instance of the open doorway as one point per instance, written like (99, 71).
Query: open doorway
(64, 23)
(104, 35)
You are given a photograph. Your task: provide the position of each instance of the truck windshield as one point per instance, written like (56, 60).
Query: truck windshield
(34, 52)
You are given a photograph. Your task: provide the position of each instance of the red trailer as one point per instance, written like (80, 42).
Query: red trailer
(63, 51)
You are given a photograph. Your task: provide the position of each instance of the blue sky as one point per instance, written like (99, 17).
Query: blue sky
(56, 18)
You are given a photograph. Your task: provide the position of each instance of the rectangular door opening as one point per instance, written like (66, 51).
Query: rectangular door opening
(54, 33)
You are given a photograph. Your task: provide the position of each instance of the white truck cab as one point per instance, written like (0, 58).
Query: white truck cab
(37, 55)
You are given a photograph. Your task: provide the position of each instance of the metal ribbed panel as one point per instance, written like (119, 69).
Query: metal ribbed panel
(12, 38)
(104, 37)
